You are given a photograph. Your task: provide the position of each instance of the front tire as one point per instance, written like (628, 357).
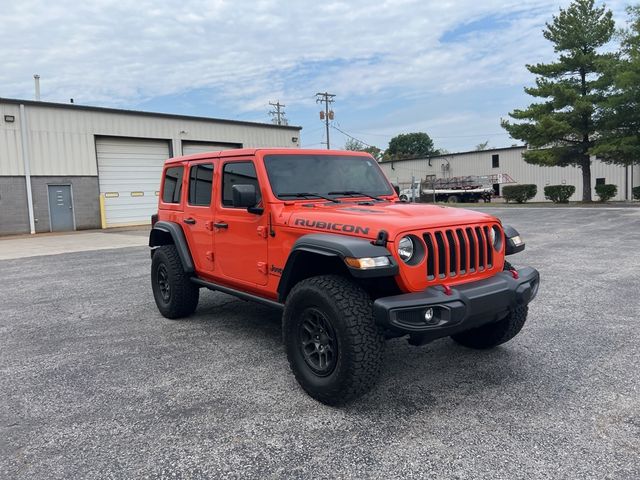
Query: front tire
(333, 345)
(494, 334)
(175, 295)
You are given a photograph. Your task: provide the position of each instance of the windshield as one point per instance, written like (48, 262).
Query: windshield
(334, 175)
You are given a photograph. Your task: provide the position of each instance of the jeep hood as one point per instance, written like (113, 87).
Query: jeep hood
(367, 220)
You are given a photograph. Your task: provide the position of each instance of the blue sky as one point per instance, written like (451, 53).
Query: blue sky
(451, 69)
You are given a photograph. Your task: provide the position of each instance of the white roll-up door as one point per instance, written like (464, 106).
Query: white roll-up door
(129, 171)
(189, 148)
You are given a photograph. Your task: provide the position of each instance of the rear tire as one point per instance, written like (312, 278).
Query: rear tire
(175, 295)
(453, 199)
(333, 345)
(494, 334)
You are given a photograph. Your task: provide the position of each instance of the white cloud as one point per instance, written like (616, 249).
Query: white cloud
(122, 52)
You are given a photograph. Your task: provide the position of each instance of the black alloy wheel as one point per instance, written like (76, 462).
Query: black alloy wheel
(163, 283)
(318, 342)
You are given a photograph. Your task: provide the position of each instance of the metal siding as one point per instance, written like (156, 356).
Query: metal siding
(512, 163)
(10, 142)
(127, 165)
(191, 148)
(63, 138)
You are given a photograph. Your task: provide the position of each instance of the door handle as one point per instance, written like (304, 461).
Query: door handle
(221, 225)
(190, 221)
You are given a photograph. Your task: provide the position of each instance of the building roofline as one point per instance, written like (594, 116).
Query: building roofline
(456, 153)
(76, 106)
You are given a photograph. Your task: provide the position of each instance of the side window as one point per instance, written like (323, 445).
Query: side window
(172, 184)
(495, 161)
(200, 184)
(238, 173)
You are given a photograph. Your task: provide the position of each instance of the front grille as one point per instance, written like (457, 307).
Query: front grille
(458, 251)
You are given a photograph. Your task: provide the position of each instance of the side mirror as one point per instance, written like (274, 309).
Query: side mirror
(245, 196)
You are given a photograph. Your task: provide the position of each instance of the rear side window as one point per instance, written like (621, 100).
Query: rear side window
(237, 173)
(200, 184)
(172, 185)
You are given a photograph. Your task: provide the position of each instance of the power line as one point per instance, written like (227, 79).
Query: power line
(327, 115)
(351, 136)
(278, 113)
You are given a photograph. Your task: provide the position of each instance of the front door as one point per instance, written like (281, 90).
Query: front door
(198, 214)
(240, 237)
(60, 208)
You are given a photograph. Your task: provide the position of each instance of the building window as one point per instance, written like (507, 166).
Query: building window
(496, 189)
(172, 185)
(600, 181)
(495, 160)
(238, 173)
(200, 184)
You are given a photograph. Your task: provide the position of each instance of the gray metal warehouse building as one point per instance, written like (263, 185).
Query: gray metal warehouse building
(59, 162)
(509, 161)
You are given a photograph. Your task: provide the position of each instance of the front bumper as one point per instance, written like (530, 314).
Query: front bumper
(467, 306)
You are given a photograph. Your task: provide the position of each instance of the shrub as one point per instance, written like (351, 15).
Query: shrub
(559, 193)
(519, 193)
(606, 192)
(636, 192)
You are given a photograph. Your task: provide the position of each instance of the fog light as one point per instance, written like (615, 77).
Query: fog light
(428, 315)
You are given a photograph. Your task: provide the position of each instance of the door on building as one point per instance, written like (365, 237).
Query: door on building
(129, 171)
(60, 208)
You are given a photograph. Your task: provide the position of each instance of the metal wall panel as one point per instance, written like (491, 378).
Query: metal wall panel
(189, 148)
(11, 162)
(62, 139)
(129, 171)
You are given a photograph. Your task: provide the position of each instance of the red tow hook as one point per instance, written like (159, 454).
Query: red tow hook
(514, 273)
(447, 290)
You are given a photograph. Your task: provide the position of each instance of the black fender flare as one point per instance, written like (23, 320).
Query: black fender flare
(159, 236)
(336, 246)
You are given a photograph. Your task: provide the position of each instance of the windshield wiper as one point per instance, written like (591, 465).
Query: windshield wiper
(352, 193)
(307, 195)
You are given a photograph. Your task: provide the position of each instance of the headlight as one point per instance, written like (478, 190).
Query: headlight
(405, 248)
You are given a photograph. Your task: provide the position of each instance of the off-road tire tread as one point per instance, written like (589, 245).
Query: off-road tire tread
(184, 293)
(494, 334)
(362, 334)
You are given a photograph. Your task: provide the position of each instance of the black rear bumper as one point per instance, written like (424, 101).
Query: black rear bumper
(466, 306)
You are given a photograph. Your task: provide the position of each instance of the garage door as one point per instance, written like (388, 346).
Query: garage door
(129, 171)
(189, 148)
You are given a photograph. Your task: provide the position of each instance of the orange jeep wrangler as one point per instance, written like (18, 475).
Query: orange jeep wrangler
(322, 236)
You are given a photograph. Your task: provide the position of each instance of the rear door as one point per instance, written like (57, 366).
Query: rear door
(240, 237)
(198, 213)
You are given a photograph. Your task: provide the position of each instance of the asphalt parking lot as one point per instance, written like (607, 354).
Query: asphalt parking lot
(96, 384)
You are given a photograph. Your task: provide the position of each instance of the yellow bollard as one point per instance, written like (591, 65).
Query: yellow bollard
(103, 215)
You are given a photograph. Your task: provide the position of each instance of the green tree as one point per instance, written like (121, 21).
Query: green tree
(621, 112)
(562, 129)
(482, 146)
(407, 145)
(357, 146)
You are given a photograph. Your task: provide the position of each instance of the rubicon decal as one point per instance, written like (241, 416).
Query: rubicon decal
(335, 227)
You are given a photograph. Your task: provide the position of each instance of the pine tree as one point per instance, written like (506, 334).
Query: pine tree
(621, 113)
(563, 128)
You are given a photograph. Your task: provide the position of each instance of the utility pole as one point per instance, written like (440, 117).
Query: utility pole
(278, 113)
(327, 114)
